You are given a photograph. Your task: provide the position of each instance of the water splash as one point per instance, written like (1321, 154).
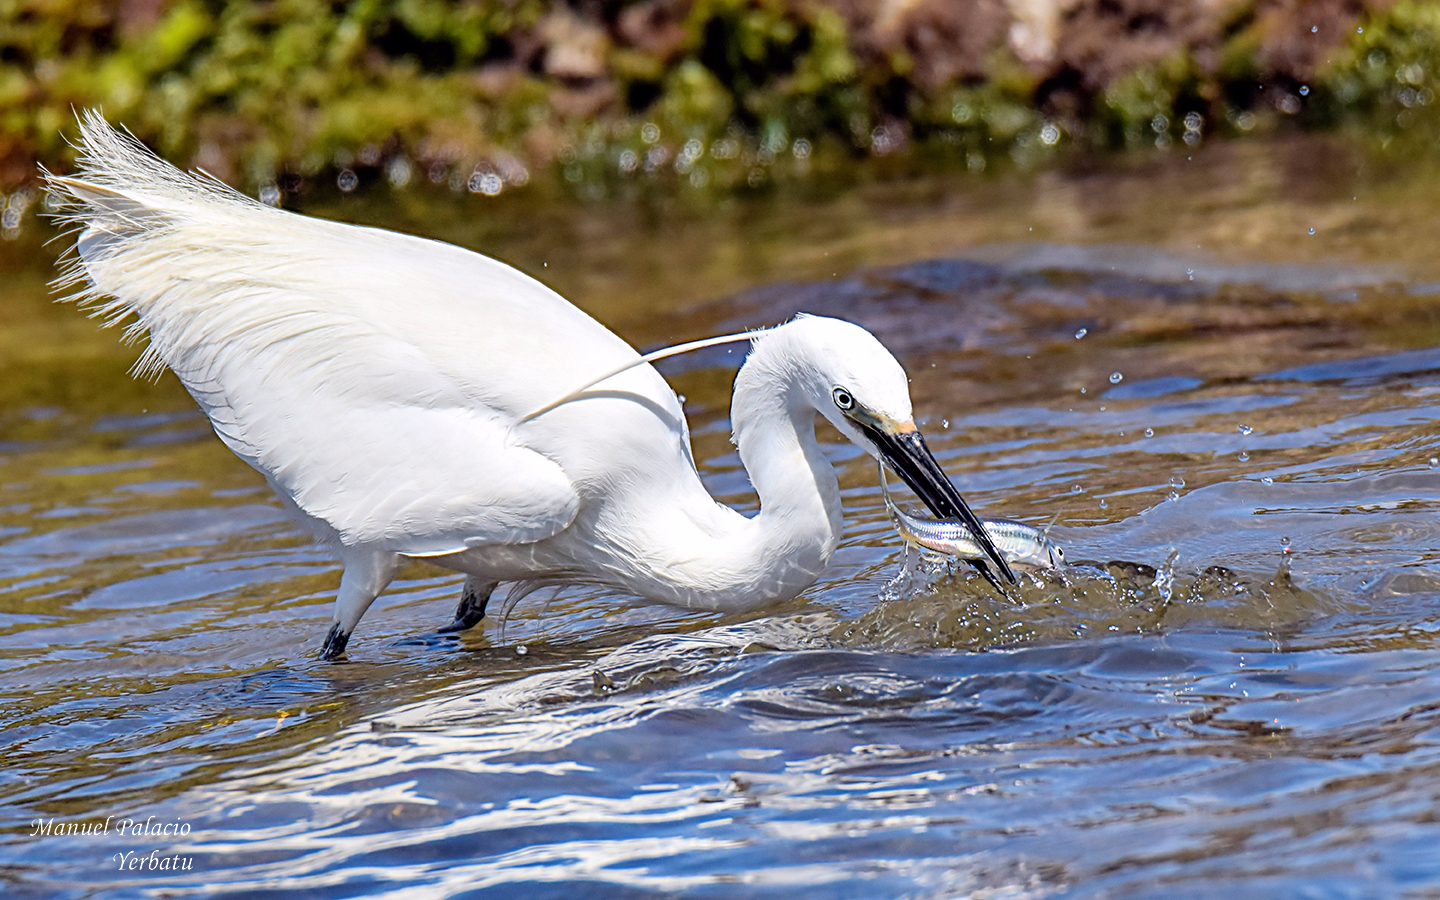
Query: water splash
(1165, 577)
(958, 609)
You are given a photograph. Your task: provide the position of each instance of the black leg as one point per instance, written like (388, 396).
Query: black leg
(335, 643)
(473, 600)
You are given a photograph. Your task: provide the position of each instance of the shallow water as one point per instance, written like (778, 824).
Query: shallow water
(1239, 692)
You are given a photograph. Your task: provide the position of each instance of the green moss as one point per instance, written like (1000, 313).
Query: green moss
(695, 100)
(1145, 107)
(301, 89)
(1385, 77)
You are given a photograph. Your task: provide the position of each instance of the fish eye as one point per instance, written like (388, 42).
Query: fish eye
(843, 398)
(1060, 552)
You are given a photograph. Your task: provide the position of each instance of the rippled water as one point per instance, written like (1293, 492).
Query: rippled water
(1236, 689)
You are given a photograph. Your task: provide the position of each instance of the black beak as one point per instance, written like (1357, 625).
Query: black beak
(907, 456)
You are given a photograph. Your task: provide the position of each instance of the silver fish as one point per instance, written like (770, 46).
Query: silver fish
(1022, 545)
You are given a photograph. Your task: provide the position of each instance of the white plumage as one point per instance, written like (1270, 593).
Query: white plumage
(381, 384)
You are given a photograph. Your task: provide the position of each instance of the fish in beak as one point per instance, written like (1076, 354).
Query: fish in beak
(903, 450)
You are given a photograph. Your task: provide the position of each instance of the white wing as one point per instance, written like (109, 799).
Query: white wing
(374, 377)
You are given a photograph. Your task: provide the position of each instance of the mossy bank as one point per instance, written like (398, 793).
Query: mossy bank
(724, 94)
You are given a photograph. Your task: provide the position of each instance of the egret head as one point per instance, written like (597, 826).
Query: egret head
(860, 388)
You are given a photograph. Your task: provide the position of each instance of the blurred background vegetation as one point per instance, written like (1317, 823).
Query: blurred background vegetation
(275, 95)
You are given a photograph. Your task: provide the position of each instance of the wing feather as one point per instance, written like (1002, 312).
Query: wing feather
(375, 378)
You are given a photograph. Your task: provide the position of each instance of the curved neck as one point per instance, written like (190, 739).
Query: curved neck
(702, 555)
(775, 434)
(800, 519)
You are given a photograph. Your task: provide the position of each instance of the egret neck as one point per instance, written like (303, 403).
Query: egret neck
(800, 519)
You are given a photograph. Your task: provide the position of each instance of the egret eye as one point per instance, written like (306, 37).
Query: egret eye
(843, 399)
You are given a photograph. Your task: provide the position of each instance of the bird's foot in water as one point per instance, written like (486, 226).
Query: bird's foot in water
(335, 643)
(471, 610)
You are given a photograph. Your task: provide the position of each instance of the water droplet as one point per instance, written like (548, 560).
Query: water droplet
(347, 180)
(681, 398)
(399, 171)
(1077, 489)
(1104, 505)
(1285, 544)
(1190, 274)
(1267, 480)
(1246, 429)
(1434, 461)
(521, 650)
(1177, 482)
(1304, 90)
(1174, 495)
(1149, 432)
(1314, 29)
(1243, 457)
(1102, 409)
(270, 195)
(944, 423)
(1082, 390)
(1081, 333)
(1312, 231)
(1116, 377)
(1360, 31)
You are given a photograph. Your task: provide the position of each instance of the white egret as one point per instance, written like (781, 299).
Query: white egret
(399, 395)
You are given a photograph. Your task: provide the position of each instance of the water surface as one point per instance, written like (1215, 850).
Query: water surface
(1231, 421)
